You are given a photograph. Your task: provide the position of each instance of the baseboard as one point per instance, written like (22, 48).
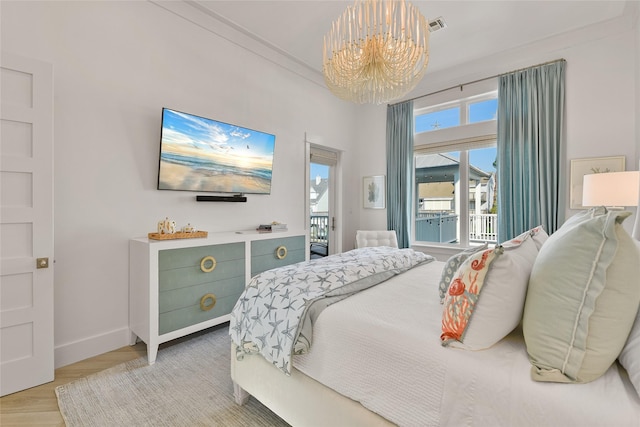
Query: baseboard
(76, 351)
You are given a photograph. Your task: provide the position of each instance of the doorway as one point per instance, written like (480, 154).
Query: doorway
(322, 202)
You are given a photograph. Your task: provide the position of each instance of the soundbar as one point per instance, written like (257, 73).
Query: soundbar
(234, 198)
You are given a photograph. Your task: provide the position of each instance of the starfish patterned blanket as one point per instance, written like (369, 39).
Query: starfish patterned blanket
(275, 314)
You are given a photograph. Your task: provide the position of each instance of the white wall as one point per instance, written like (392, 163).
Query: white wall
(601, 97)
(116, 64)
(371, 149)
(637, 49)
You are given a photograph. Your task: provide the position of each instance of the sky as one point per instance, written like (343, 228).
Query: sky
(321, 170)
(210, 135)
(483, 158)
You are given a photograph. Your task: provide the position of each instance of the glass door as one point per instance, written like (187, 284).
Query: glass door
(322, 166)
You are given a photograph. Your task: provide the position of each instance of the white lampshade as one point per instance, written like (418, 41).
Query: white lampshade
(613, 189)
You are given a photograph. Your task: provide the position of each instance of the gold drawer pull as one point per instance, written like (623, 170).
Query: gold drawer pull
(281, 252)
(204, 261)
(203, 302)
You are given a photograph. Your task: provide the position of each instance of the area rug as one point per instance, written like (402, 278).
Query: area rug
(189, 385)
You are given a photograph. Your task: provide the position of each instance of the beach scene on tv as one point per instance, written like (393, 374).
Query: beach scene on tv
(199, 154)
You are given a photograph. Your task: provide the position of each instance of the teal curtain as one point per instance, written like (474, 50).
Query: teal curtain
(531, 150)
(399, 170)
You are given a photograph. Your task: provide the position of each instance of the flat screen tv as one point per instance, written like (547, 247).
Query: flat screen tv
(200, 154)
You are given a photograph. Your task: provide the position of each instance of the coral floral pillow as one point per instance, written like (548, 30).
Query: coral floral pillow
(452, 266)
(462, 295)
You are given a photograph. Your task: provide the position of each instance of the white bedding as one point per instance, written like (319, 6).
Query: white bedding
(382, 349)
(274, 316)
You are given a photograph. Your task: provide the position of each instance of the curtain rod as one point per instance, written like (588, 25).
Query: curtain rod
(478, 81)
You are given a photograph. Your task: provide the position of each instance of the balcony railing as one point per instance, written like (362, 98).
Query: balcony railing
(436, 227)
(442, 227)
(430, 227)
(483, 227)
(319, 229)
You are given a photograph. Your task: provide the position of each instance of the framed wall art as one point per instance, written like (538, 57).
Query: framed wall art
(582, 167)
(374, 192)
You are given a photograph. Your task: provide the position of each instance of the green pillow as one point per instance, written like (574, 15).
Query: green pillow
(582, 298)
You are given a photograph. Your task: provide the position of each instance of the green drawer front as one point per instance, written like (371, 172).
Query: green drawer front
(263, 253)
(189, 276)
(177, 299)
(191, 315)
(269, 246)
(190, 257)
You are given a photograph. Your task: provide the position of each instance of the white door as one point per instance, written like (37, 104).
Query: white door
(26, 223)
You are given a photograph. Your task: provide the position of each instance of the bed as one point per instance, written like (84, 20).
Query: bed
(377, 358)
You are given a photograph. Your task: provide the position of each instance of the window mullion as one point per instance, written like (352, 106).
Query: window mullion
(463, 215)
(464, 113)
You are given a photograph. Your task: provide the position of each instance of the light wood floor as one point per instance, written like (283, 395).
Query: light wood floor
(38, 406)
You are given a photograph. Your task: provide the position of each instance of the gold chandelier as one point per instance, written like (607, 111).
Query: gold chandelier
(376, 51)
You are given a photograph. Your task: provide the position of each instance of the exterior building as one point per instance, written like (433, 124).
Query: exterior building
(438, 183)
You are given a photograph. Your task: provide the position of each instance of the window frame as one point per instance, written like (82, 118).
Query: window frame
(462, 138)
(462, 104)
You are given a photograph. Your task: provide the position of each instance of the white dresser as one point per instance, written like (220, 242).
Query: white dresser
(181, 286)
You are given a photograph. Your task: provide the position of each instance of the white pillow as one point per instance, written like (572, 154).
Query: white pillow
(539, 236)
(500, 302)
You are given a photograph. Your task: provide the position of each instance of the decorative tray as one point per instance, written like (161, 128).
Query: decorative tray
(178, 235)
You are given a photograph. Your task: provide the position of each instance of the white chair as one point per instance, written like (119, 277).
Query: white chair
(365, 238)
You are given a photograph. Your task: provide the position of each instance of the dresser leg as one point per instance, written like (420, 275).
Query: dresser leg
(152, 352)
(133, 338)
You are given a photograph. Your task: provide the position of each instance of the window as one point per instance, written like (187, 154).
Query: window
(438, 120)
(460, 112)
(455, 172)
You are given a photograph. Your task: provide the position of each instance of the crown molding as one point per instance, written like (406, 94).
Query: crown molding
(195, 13)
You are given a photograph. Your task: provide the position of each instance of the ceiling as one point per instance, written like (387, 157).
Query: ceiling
(475, 29)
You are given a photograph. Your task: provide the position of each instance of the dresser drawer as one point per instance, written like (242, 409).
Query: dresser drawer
(193, 314)
(272, 253)
(180, 268)
(190, 257)
(189, 276)
(177, 299)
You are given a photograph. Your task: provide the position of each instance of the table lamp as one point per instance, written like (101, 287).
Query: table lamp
(614, 190)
